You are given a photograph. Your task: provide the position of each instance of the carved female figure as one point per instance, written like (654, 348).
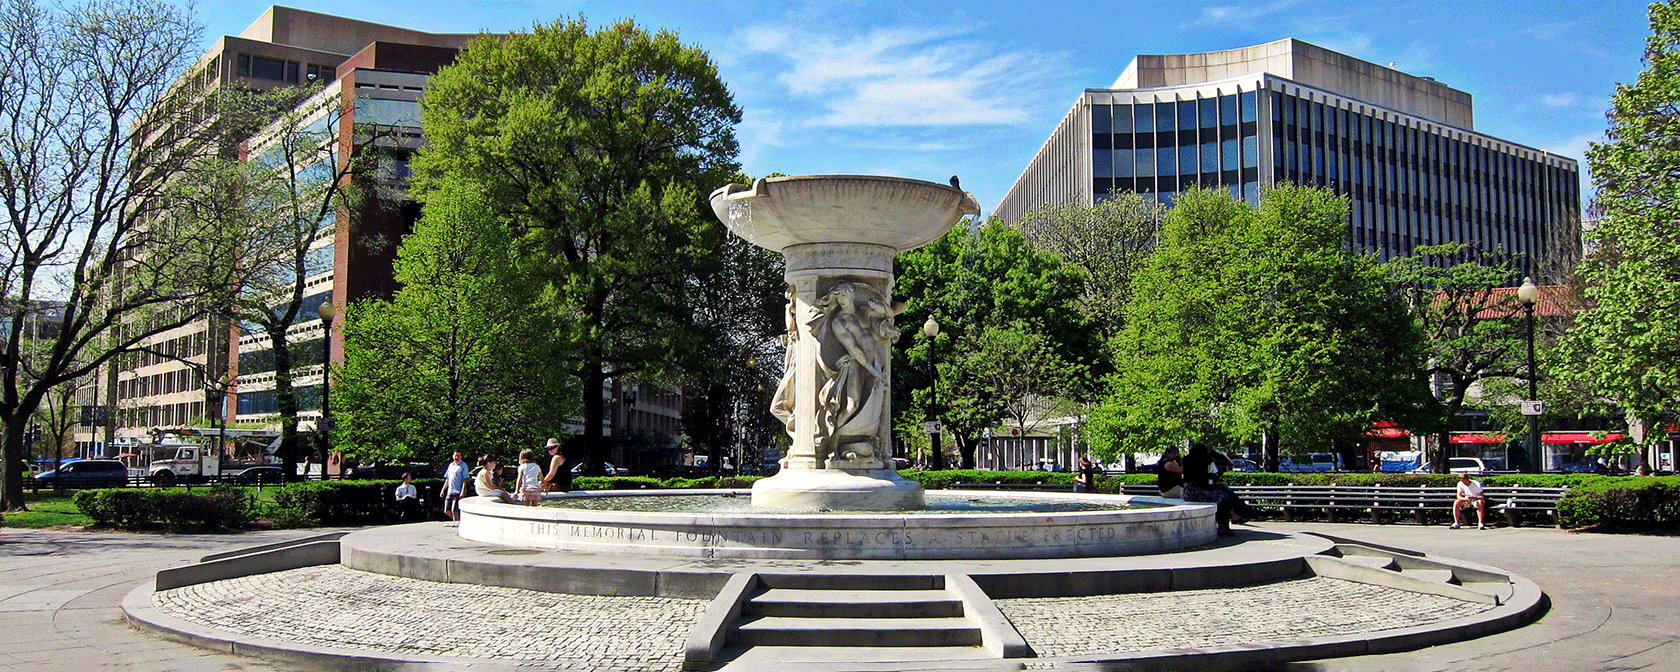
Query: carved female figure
(854, 334)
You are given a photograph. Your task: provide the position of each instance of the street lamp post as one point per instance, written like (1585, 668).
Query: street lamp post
(327, 312)
(931, 329)
(1528, 294)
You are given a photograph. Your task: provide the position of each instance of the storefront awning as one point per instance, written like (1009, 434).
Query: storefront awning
(1478, 438)
(1576, 437)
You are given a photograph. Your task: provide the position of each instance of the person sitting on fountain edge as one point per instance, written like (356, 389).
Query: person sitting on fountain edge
(486, 486)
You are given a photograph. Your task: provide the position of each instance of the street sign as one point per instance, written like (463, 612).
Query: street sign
(1533, 407)
(933, 427)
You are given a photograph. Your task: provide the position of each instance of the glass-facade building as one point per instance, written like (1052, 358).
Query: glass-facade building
(1401, 148)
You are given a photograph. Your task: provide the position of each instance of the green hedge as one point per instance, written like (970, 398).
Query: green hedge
(356, 502)
(215, 508)
(1623, 504)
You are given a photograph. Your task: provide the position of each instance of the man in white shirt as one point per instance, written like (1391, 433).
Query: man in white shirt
(1469, 494)
(454, 483)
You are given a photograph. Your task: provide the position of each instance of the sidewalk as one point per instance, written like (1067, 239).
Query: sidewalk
(60, 594)
(1614, 600)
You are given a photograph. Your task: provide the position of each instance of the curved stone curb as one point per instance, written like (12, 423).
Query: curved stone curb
(137, 607)
(1525, 604)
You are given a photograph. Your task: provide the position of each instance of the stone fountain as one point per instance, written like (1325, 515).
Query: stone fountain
(839, 234)
(837, 496)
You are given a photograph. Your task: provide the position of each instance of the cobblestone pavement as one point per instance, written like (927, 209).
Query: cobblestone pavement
(333, 606)
(1285, 610)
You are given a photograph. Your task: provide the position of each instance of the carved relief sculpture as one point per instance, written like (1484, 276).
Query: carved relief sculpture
(854, 331)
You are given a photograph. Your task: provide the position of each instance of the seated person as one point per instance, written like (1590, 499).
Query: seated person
(486, 486)
(1170, 470)
(1469, 494)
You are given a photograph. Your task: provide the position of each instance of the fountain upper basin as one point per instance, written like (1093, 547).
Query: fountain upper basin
(900, 213)
(1171, 526)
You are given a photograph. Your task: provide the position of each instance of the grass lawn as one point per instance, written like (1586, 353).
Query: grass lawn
(47, 509)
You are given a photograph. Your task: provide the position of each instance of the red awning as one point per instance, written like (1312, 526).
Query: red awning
(1576, 437)
(1478, 438)
(1388, 433)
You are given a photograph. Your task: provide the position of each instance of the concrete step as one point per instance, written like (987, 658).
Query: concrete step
(852, 658)
(801, 603)
(1432, 575)
(853, 581)
(855, 632)
(1373, 561)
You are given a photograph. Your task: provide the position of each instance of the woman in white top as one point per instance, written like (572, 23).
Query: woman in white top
(530, 477)
(485, 484)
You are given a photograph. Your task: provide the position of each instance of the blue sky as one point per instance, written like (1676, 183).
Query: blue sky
(930, 89)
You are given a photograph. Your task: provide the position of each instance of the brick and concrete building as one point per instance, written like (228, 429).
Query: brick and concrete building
(1403, 149)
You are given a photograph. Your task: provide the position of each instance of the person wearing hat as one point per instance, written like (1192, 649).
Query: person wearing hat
(559, 476)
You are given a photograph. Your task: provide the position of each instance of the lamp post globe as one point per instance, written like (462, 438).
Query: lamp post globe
(327, 311)
(931, 329)
(1528, 295)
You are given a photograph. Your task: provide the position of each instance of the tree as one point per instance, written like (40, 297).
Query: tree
(1626, 343)
(596, 150)
(1471, 324)
(283, 197)
(95, 136)
(990, 291)
(1109, 240)
(1257, 323)
(456, 360)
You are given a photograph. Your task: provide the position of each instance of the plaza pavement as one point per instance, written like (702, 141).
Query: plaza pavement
(1613, 600)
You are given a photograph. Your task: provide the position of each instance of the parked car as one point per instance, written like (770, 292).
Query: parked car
(86, 474)
(608, 467)
(259, 475)
(1240, 464)
(1458, 465)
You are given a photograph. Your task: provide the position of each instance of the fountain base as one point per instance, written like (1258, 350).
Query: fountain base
(838, 490)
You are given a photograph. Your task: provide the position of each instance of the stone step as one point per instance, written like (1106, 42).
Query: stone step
(1432, 575)
(855, 632)
(802, 603)
(852, 658)
(853, 581)
(1373, 561)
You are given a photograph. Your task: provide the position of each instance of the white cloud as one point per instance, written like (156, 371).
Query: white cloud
(1559, 100)
(1576, 147)
(1547, 31)
(900, 76)
(1240, 15)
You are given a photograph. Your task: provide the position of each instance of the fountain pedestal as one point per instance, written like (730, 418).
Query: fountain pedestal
(839, 234)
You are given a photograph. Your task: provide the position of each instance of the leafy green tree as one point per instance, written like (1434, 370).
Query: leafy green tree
(1473, 329)
(595, 150)
(1626, 343)
(456, 360)
(979, 280)
(1109, 240)
(1257, 323)
(95, 134)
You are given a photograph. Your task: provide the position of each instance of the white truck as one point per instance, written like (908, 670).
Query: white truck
(190, 455)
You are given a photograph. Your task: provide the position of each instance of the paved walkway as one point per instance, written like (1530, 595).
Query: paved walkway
(1613, 600)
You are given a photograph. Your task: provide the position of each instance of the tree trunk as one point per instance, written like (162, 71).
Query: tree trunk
(594, 421)
(14, 465)
(285, 403)
(966, 446)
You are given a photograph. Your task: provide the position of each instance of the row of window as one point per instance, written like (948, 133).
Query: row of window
(263, 401)
(190, 345)
(309, 310)
(1183, 115)
(164, 415)
(305, 353)
(279, 70)
(168, 382)
(1190, 160)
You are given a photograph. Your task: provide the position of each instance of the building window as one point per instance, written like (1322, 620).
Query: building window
(260, 67)
(321, 73)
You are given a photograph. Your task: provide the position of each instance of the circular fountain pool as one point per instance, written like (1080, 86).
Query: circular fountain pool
(965, 525)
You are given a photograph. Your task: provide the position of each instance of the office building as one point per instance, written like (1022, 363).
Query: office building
(1403, 149)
